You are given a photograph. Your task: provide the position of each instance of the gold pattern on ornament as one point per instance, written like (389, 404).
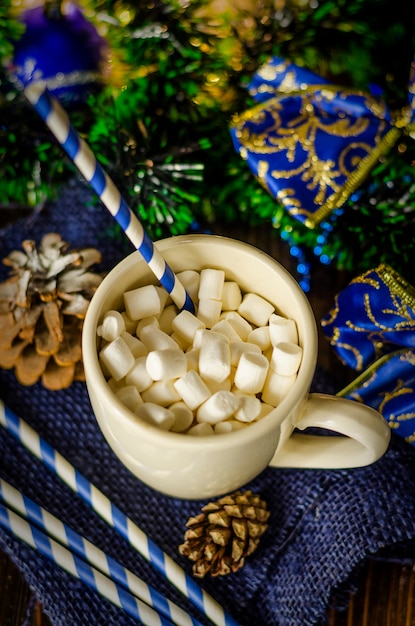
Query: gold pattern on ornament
(397, 284)
(332, 314)
(288, 198)
(399, 390)
(409, 357)
(317, 174)
(356, 353)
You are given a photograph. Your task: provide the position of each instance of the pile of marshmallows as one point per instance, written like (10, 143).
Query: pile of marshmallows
(213, 372)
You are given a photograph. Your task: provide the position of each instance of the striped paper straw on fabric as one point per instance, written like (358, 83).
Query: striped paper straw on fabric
(72, 564)
(102, 505)
(57, 120)
(68, 537)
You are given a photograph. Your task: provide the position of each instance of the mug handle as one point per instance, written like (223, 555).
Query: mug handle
(364, 435)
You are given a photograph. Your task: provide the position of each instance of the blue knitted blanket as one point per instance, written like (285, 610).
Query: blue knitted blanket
(323, 524)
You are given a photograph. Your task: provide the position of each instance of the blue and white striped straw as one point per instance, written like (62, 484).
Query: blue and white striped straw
(57, 120)
(107, 565)
(102, 505)
(74, 565)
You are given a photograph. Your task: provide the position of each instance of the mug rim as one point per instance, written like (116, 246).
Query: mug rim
(167, 439)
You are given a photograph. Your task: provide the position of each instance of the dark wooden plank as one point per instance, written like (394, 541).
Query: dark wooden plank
(384, 598)
(17, 604)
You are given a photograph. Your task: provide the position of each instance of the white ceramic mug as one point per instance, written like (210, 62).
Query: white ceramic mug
(192, 467)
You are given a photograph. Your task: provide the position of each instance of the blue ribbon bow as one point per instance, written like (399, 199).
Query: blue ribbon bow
(311, 143)
(371, 327)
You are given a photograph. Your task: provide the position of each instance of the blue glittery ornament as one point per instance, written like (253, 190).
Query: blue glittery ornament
(61, 48)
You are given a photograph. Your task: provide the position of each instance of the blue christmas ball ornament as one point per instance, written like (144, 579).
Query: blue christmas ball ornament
(61, 48)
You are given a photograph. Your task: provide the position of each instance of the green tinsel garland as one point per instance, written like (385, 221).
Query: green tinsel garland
(161, 125)
(376, 225)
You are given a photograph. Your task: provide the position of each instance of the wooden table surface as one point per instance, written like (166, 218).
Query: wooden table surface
(386, 593)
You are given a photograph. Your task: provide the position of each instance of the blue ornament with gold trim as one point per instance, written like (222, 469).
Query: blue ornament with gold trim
(374, 314)
(311, 143)
(388, 386)
(371, 328)
(62, 48)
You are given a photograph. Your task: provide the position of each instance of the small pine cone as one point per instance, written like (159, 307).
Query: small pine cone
(42, 307)
(227, 531)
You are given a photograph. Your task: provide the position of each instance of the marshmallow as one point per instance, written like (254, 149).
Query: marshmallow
(268, 352)
(156, 339)
(138, 375)
(136, 346)
(129, 396)
(156, 415)
(240, 347)
(144, 301)
(225, 328)
(130, 325)
(201, 430)
(211, 284)
(192, 358)
(231, 296)
(161, 392)
(214, 356)
(256, 309)
(166, 318)
(224, 385)
(105, 370)
(190, 280)
(166, 364)
(251, 372)
(226, 366)
(265, 409)
(209, 311)
(218, 407)
(183, 417)
(197, 339)
(286, 358)
(182, 343)
(249, 408)
(186, 324)
(146, 321)
(282, 329)
(192, 389)
(238, 323)
(228, 426)
(261, 337)
(116, 358)
(116, 384)
(112, 326)
(276, 387)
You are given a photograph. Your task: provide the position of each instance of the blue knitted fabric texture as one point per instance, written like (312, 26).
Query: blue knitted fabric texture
(323, 524)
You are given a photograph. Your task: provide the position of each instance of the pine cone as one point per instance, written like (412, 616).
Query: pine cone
(42, 307)
(227, 531)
